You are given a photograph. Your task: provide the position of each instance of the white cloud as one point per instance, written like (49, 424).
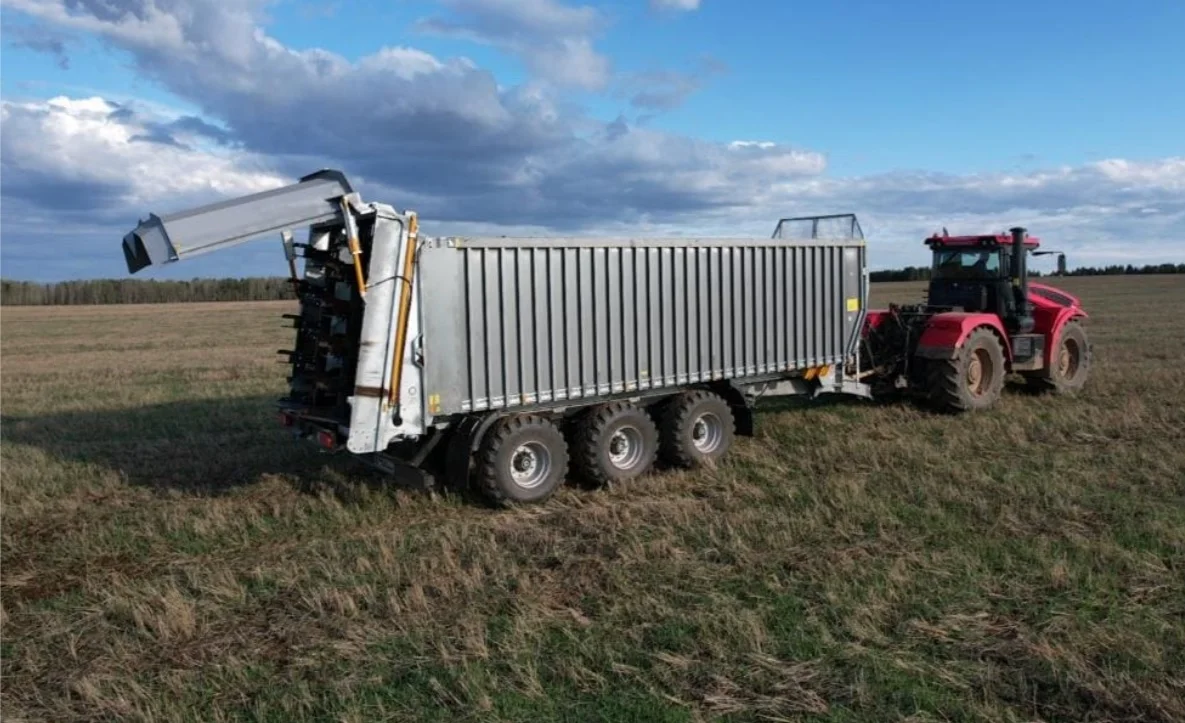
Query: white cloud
(659, 90)
(751, 144)
(89, 142)
(553, 39)
(441, 130)
(675, 5)
(442, 136)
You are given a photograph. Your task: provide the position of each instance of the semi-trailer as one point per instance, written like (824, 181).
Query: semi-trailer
(513, 363)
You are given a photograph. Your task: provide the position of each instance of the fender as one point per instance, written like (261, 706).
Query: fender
(1052, 310)
(947, 331)
(1063, 317)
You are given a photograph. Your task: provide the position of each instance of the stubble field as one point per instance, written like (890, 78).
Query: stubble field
(169, 554)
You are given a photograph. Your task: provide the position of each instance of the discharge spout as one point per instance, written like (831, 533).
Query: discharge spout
(165, 239)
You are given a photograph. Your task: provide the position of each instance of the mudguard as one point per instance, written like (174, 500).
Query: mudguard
(1052, 310)
(947, 331)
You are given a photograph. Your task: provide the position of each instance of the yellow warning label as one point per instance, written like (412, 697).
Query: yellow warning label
(853, 303)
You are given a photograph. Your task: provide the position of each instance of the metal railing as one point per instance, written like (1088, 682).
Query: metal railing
(837, 226)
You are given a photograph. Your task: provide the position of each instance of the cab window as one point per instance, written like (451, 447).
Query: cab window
(966, 264)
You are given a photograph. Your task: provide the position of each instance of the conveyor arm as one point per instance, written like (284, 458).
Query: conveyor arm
(164, 239)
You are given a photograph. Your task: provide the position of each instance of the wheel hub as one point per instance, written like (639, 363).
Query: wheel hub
(979, 371)
(530, 464)
(707, 432)
(524, 461)
(625, 448)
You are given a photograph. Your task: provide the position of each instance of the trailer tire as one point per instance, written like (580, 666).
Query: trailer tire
(614, 442)
(972, 379)
(1069, 362)
(698, 428)
(523, 460)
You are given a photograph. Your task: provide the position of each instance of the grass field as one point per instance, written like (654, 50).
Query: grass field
(169, 554)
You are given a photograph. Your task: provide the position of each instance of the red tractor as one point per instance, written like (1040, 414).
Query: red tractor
(982, 320)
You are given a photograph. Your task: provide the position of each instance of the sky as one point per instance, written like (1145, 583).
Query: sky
(626, 117)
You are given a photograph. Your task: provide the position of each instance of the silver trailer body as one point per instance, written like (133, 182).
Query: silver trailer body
(403, 339)
(518, 322)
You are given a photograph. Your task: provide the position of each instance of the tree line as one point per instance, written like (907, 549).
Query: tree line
(143, 291)
(150, 291)
(922, 273)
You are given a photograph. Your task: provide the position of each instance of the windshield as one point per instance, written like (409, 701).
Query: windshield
(966, 264)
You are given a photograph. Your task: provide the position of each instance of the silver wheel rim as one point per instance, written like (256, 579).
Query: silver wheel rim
(707, 432)
(530, 464)
(625, 447)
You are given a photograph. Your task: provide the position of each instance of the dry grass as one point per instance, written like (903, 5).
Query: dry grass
(169, 555)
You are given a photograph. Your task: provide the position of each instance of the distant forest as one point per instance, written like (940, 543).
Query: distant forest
(143, 291)
(922, 273)
(139, 291)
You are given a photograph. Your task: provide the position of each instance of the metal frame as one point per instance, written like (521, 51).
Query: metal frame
(855, 232)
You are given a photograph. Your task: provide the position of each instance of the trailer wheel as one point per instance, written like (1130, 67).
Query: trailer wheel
(973, 379)
(614, 442)
(523, 459)
(1069, 363)
(697, 429)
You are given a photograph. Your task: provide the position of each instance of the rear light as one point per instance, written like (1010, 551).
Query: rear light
(328, 440)
(287, 420)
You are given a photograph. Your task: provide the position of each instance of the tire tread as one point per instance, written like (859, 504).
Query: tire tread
(593, 426)
(487, 467)
(944, 377)
(674, 428)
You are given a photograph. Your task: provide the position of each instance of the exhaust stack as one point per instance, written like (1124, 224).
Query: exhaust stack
(165, 239)
(1020, 281)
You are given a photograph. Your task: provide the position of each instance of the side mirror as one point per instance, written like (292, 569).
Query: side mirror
(1061, 260)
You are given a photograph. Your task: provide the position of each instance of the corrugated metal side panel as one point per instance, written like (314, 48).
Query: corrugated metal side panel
(536, 324)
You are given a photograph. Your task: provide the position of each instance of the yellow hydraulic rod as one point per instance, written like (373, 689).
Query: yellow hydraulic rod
(409, 257)
(355, 248)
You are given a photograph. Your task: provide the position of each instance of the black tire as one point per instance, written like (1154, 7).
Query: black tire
(1069, 362)
(523, 459)
(973, 379)
(614, 442)
(697, 429)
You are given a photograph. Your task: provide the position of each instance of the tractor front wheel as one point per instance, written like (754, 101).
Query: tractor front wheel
(1069, 363)
(972, 379)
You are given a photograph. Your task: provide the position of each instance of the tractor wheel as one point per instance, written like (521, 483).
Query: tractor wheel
(614, 443)
(973, 379)
(523, 459)
(697, 429)
(1069, 362)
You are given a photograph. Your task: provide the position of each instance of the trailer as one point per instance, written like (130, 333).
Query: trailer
(514, 363)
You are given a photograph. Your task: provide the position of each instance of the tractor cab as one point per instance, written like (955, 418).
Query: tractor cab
(981, 274)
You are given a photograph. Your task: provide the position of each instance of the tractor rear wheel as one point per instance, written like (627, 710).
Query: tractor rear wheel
(1069, 362)
(697, 429)
(970, 381)
(614, 442)
(523, 459)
